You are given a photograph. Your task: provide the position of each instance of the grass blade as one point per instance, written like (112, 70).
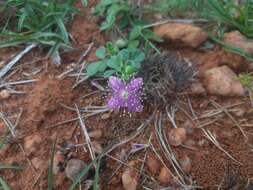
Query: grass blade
(50, 169)
(13, 167)
(231, 48)
(95, 162)
(82, 174)
(4, 185)
(96, 178)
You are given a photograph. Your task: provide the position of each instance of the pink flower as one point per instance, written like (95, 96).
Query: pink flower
(125, 95)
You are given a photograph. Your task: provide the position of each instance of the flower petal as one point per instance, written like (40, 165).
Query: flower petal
(134, 85)
(116, 102)
(116, 83)
(134, 103)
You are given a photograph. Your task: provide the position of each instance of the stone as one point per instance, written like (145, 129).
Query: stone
(185, 163)
(73, 168)
(236, 39)
(187, 33)
(106, 116)
(153, 164)
(222, 81)
(37, 162)
(177, 136)
(240, 112)
(30, 142)
(164, 177)
(197, 89)
(129, 179)
(97, 147)
(4, 94)
(96, 134)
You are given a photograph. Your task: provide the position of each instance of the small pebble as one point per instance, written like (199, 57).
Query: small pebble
(177, 136)
(129, 180)
(96, 134)
(164, 176)
(73, 168)
(37, 162)
(106, 116)
(185, 163)
(153, 164)
(197, 89)
(97, 147)
(4, 94)
(240, 112)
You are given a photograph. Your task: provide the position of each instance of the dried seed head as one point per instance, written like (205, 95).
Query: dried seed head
(164, 76)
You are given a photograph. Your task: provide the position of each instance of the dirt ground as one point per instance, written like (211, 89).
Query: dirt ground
(42, 109)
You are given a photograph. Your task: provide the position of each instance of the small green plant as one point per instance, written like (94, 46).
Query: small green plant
(246, 80)
(178, 7)
(220, 15)
(42, 22)
(230, 15)
(113, 9)
(124, 16)
(115, 61)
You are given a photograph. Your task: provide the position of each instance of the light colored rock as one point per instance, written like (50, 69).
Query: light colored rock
(129, 180)
(187, 33)
(31, 141)
(37, 162)
(222, 81)
(185, 163)
(106, 116)
(4, 94)
(236, 39)
(153, 164)
(197, 89)
(73, 168)
(97, 147)
(164, 177)
(96, 134)
(240, 112)
(177, 136)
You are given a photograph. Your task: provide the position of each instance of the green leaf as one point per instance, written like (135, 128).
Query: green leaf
(102, 67)
(132, 45)
(129, 70)
(84, 3)
(101, 52)
(21, 20)
(50, 176)
(135, 33)
(2, 167)
(4, 185)
(125, 54)
(150, 35)
(121, 43)
(96, 177)
(134, 64)
(111, 48)
(93, 68)
(63, 29)
(114, 63)
(137, 56)
(109, 73)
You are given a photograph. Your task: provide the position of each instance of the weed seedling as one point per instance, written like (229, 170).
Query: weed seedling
(42, 22)
(114, 61)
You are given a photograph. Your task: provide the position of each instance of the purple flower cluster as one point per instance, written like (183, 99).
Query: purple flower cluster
(125, 95)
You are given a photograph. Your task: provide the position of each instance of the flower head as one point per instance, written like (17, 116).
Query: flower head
(125, 95)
